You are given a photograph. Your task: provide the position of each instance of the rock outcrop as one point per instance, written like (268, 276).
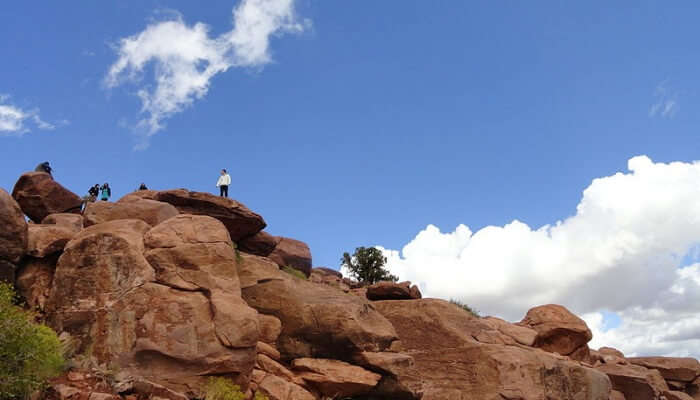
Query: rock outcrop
(558, 330)
(13, 229)
(260, 244)
(150, 211)
(238, 219)
(393, 291)
(39, 196)
(292, 253)
(45, 240)
(460, 366)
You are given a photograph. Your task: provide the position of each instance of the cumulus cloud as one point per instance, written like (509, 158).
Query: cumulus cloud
(666, 104)
(185, 58)
(621, 253)
(14, 120)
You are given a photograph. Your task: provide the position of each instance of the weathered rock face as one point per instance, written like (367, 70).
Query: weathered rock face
(111, 300)
(520, 334)
(238, 219)
(39, 195)
(45, 240)
(292, 253)
(558, 330)
(73, 222)
(393, 291)
(260, 244)
(34, 280)
(150, 211)
(13, 229)
(671, 368)
(676, 395)
(139, 195)
(276, 388)
(635, 382)
(335, 379)
(457, 366)
(317, 321)
(330, 278)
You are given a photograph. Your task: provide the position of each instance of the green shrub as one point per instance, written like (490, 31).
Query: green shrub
(30, 353)
(466, 308)
(260, 396)
(222, 389)
(294, 272)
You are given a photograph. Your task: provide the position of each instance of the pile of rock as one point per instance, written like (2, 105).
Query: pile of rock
(162, 290)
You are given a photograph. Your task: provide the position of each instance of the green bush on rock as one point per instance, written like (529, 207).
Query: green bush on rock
(30, 353)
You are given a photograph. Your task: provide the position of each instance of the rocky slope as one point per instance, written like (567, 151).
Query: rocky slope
(163, 289)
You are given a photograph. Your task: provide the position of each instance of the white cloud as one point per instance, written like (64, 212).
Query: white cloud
(620, 252)
(666, 105)
(185, 58)
(13, 120)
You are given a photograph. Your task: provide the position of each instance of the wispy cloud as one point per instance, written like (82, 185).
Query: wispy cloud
(185, 58)
(666, 105)
(15, 121)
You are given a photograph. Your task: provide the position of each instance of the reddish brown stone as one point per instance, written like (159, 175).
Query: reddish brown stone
(558, 330)
(334, 378)
(45, 240)
(238, 219)
(292, 253)
(73, 222)
(150, 211)
(39, 195)
(392, 291)
(260, 244)
(635, 382)
(13, 231)
(673, 368)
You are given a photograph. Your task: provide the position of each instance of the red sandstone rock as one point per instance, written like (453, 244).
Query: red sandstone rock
(260, 244)
(270, 328)
(39, 195)
(558, 330)
(276, 388)
(521, 334)
(238, 219)
(334, 378)
(139, 195)
(105, 294)
(611, 351)
(45, 240)
(13, 229)
(266, 349)
(451, 364)
(677, 395)
(292, 253)
(384, 362)
(635, 382)
(392, 291)
(317, 321)
(673, 368)
(150, 211)
(34, 280)
(615, 395)
(73, 222)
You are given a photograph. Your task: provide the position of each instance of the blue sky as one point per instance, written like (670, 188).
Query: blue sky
(363, 123)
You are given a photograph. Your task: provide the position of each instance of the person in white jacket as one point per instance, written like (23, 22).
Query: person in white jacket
(223, 182)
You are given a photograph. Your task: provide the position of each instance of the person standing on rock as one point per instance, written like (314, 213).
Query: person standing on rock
(224, 181)
(44, 167)
(106, 191)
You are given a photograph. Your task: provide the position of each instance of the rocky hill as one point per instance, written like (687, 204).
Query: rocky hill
(163, 289)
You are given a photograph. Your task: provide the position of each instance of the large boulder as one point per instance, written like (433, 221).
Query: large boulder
(73, 222)
(671, 368)
(278, 388)
(108, 297)
(238, 219)
(335, 379)
(558, 330)
(260, 244)
(292, 253)
(45, 240)
(150, 211)
(39, 195)
(317, 321)
(13, 234)
(393, 291)
(34, 280)
(635, 382)
(450, 363)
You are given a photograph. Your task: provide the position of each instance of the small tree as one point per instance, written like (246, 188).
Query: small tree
(30, 353)
(367, 265)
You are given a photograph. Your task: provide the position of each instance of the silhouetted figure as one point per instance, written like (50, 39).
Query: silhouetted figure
(106, 191)
(94, 192)
(143, 187)
(44, 167)
(223, 182)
